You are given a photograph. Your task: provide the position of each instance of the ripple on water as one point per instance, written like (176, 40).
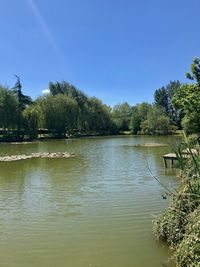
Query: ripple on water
(93, 210)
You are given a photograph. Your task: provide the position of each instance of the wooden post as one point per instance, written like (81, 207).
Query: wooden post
(165, 162)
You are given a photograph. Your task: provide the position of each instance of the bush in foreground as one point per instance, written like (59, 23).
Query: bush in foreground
(179, 226)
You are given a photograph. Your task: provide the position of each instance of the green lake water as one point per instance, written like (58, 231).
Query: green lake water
(92, 210)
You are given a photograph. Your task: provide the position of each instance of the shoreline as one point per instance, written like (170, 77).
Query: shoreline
(82, 137)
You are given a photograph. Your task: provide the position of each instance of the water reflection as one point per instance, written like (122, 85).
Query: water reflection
(92, 210)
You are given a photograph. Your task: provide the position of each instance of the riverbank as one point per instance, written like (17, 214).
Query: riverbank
(48, 136)
(179, 226)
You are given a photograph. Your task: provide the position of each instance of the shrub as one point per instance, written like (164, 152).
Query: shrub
(188, 251)
(170, 226)
(179, 226)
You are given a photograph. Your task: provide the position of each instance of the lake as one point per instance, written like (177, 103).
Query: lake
(95, 209)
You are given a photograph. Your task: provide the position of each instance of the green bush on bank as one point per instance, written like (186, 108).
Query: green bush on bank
(170, 226)
(188, 251)
(179, 226)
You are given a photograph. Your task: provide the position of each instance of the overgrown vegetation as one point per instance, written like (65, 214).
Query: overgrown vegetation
(179, 226)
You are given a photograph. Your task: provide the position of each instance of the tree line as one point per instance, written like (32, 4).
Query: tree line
(67, 111)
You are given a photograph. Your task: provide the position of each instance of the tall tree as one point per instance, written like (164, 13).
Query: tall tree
(139, 115)
(121, 115)
(195, 71)
(143, 110)
(71, 91)
(60, 114)
(157, 122)
(163, 99)
(187, 99)
(8, 109)
(23, 100)
(135, 122)
(31, 121)
(99, 117)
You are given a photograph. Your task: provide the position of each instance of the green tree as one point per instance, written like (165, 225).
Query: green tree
(157, 122)
(31, 121)
(8, 110)
(143, 110)
(60, 114)
(23, 102)
(81, 99)
(195, 71)
(121, 115)
(163, 99)
(187, 99)
(139, 115)
(135, 122)
(99, 117)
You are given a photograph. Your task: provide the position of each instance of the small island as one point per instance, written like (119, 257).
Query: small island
(53, 155)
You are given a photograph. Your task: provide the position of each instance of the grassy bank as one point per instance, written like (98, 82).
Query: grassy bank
(179, 226)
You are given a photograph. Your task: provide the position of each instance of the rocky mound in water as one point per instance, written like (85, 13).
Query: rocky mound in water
(37, 155)
(150, 145)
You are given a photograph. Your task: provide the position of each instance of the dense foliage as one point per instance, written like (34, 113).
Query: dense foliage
(163, 99)
(187, 99)
(179, 226)
(67, 111)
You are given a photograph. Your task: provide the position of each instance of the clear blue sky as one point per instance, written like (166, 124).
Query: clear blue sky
(117, 50)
